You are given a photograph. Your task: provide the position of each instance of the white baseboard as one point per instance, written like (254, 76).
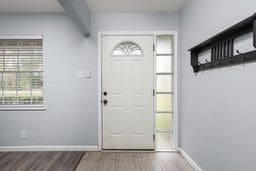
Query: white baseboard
(190, 161)
(47, 148)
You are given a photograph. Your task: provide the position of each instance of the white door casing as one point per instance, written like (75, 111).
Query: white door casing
(128, 80)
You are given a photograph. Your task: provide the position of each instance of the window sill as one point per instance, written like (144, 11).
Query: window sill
(22, 108)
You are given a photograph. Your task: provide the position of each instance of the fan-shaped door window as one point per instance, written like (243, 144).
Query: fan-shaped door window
(127, 49)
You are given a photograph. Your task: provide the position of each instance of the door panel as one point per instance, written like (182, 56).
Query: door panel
(127, 77)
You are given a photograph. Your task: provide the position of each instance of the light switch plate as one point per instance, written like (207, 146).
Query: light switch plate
(88, 74)
(23, 134)
(80, 74)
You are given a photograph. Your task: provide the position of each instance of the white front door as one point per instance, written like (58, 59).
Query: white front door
(127, 92)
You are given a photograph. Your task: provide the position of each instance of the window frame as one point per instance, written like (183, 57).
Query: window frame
(27, 107)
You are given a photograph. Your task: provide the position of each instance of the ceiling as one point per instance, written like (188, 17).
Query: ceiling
(30, 6)
(135, 5)
(52, 6)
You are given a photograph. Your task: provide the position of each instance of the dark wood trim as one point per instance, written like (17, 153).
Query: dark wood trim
(254, 33)
(194, 60)
(242, 58)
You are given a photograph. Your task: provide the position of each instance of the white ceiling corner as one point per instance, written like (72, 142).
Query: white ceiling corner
(30, 6)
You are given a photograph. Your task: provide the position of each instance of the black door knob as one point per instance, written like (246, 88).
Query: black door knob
(105, 93)
(105, 102)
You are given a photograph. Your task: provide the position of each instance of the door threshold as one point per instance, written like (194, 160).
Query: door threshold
(167, 150)
(139, 151)
(129, 151)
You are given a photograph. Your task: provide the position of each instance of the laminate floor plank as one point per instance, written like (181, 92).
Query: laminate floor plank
(108, 162)
(128, 162)
(39, 161)
(89, 161)
(88, 166)
(16, 160)
(149, 162)
(47, 159)
(2, 154)
(13, 160)
(173, 162)
(65, 161)
(92, 156)
(30, 161)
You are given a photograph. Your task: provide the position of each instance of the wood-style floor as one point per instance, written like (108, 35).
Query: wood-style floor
(93, 161)
(40, 161)
(148, 161)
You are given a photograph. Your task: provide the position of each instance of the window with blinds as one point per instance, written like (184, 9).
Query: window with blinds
(21, 72)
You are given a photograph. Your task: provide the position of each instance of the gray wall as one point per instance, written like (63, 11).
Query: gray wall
(71, 115)
(218, 106)
(135, 21)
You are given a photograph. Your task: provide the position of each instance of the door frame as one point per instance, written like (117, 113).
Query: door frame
(176, 86)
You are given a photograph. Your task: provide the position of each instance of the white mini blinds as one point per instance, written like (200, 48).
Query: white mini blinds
(21, 72)
(127, 49)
